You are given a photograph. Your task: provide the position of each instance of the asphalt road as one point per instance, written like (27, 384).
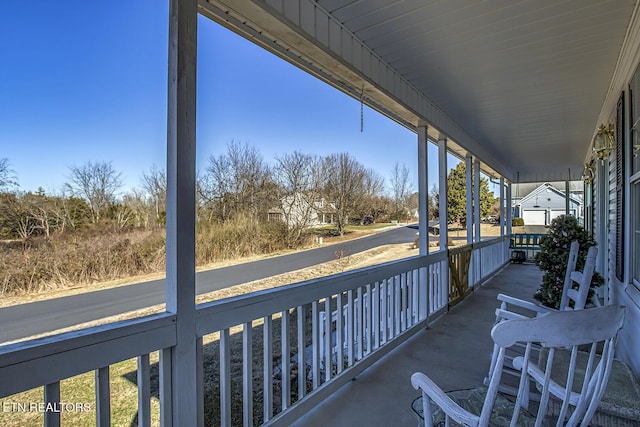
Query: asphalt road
(43, 316)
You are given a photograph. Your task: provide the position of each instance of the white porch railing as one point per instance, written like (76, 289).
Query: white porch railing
(487, 257)
(47, 361)
(318, 353)
(273, 348)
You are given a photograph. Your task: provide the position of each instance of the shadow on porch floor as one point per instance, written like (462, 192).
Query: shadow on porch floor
(454, 351)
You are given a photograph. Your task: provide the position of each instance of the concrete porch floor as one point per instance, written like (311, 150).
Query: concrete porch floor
(454, 351)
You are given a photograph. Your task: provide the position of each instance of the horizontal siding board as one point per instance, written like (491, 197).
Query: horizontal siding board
(292, 11)
(335, 37)
(307, 17)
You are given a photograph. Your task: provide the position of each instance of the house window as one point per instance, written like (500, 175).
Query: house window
(634, 180)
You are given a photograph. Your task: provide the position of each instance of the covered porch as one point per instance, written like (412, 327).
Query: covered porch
(515, 91)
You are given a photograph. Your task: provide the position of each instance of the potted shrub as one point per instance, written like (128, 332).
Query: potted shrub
(554, 255)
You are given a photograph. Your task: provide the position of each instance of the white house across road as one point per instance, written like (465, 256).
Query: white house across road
(546, 202)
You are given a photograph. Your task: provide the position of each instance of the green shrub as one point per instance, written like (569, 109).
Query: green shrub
(554, 256)
(517, 222)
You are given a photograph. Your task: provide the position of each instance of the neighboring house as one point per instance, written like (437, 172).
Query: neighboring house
(298, 210)
(542, 203)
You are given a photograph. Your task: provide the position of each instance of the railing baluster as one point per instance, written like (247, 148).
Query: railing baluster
(350, 327)
(144, 391)
(315, 344)
(52, 399)
(286, 356)
(166, 403)
(397, 307)
(383, 314)
(103, 398)
(368, 318)
(302, 349)
(225, 379)
(247, 375)
(267, 343)
(359, 324)
(328, 350)
(340, 333)
(375, 302)
(406, 300)
(200, 380)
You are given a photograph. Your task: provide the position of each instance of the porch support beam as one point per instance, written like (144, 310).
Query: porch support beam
(470, 191)
(442, 195)
(476, 198)
(509, 210)
(423, 190)
(567, 192)
(502, 208)
(602, 201)
(181, 176)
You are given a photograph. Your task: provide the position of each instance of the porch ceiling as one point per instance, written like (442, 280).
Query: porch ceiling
(526, 81)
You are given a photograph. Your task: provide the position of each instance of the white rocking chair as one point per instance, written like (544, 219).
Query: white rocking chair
(578, 296)
(513, 308)
(596, 327)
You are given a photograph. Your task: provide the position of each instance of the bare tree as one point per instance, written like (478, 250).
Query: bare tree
(299, 178)
(154, 183)
(238, 181)
(15, 216)
(7, 177)
(348, 183)
(97, 183)
(135, 210)
(401, 188)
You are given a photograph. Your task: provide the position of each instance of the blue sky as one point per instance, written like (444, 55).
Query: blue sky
(86, 81)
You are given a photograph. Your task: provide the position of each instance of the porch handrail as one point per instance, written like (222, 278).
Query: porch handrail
(229, 312)
(42, 361)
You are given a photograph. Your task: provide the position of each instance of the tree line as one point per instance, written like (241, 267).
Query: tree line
(233, 185)
(236, 184)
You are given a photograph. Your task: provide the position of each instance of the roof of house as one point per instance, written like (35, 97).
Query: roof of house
(547, 187)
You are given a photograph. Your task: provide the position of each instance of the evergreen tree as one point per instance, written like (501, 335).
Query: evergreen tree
(457, 195)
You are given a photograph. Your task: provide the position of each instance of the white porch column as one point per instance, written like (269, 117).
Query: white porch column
(469, 193)
(442, 196)
(567, 192)
(181, 178)
(509, 210)
(476, 199)
(602, 214)
(423, 219)
(502, 208)
(423, 190)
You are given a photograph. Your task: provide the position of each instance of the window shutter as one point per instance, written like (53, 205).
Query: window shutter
(620, 159)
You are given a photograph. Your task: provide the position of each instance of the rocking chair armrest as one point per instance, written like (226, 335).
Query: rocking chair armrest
(538, 309)
(508, 315)
(431, 391)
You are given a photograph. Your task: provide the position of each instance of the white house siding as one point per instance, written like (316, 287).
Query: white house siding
(545, 203)
(621, 292)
